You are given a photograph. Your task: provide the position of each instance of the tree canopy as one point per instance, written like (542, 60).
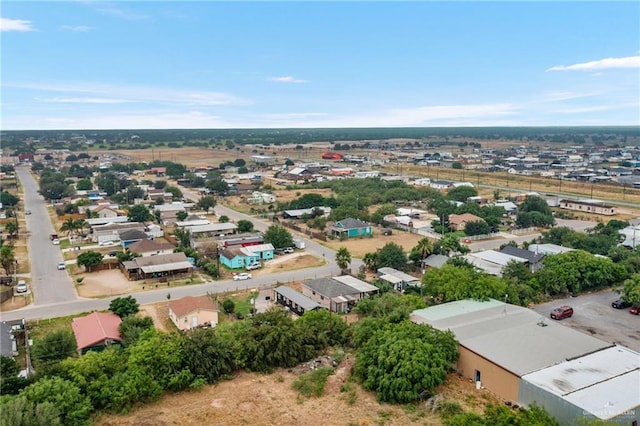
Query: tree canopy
(124, 306)
(278, 236)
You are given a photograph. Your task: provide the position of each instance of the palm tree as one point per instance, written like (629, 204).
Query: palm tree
(80, 224)
(370, 260)
(68, 226)
(425, 247)
(343, 258)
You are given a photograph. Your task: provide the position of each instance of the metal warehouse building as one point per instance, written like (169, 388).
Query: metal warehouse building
(509, 348)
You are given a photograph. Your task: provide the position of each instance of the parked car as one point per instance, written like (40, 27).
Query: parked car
(21, 287)
(251, 267)
(620, 304)
(242, 276)
(289, 250)
(562, 312)
(55, 242)
(635, 310)
(28, 212)
(61, 266)
(106, 243)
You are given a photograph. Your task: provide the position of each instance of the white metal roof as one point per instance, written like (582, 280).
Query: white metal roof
(508, 335)
(353, 282)
(549, 248)
(197, 222)
(496, 257)
(212, 227)
(391, 279)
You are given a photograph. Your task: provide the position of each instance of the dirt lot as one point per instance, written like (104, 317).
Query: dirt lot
(358, 247)
(106, 283)
(262, 400)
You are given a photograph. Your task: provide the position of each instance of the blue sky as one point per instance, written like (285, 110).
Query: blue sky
(161, 64)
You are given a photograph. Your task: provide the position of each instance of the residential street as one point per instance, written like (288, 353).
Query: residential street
(48, 284)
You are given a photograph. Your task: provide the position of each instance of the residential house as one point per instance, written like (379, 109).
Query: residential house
(491, 262)
(239, 257)
(108, 211)
(261, 198)
(150, 248)
(588, 206)
(8, 345)
(163, 266)
(458, 222)
(398, 279)
(297, 173)
(158, 171)
(193, 311)
(533, 260)
(509, 207)
(296, 302)
(201, 235)
(98, 221)
(548, 249)
(350, 228)
(111, 231)
(441, 184)
(96, 331)
(168, 212)
(130, 236)
(154, 231)
(242, 240)
(338, 294)
(434, 261)
(300, 213)
(155, 194)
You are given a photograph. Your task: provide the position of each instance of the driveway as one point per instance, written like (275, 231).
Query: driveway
(594, 315)
(49, 285)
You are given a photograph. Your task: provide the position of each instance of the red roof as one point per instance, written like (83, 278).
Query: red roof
(182, 307)
(95, 328)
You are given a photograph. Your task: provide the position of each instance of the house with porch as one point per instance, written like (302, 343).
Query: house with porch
(163, 266)
(150, 248)
(193, 311)
(96, 331)
(338, 294)
(351, 228)
(294, 301)
(236, 257)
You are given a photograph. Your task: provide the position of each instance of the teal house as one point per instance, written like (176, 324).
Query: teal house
(350, 228)
(239, 257)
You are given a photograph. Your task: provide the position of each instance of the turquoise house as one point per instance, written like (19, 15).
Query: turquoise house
(350, 228)
(240, 257)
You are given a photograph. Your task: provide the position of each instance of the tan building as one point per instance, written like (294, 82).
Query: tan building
(500, 343)
(191, 311)
(588, 206)
(457, 222)
(338, 294)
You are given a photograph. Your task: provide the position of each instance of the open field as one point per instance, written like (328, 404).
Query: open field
(269, 400)
(358, 247)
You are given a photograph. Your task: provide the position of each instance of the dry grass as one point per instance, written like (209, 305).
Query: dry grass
(358, 247)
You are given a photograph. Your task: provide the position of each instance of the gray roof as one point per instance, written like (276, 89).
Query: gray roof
(6, 342)
(351, 223)
(508, 335)
(549, 248)
(159, 263)
(356, 283)
(330, 288)
(300, 212)
(398, 274)
(132, 234)
(530, 256)
(300, 299)
(435, 260)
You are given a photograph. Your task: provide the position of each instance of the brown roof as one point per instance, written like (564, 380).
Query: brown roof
(464, 218)
(147, 246)
(160, 259)
(95, 328)
(182, 307)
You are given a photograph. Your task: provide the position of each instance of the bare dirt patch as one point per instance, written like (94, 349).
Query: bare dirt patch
(263, 400)
(289, 262)
(105, 283)
(159, 313)
(15, 302)
(358, 247)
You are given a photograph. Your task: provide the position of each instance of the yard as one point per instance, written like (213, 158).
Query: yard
(358, 247)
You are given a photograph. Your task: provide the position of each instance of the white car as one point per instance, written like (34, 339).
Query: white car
(56, 242)
(253, 266)
(241, 276)
(21, 287)
(61, 266)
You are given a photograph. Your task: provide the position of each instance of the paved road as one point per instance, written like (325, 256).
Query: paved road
(48, 284)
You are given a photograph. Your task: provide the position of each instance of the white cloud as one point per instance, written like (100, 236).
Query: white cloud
(111, 10)
(7, 24)
(564, 96)
(602, 64)
(84, 100)
(123, 93)
(286, 79)
(77, 28)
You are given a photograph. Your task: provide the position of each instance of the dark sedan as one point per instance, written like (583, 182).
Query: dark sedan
(620, 304)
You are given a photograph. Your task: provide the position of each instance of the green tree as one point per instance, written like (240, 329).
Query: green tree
(132, 327)
(343, 258)
(89, 259)
(74, 407)
(7, 258)
(223, 219)
(207, 356)
(206, 203)
(449, 283)
(405, 362)
(8, 199)
(139, 213)
(479, 227)
(424, 247)
(159, 184)
(54, 347)
(182, 215)
(322, 329)
(245, 225)
(124, 306)
(84, 185)
(175, 191)
(18, 411)
(228, 306)
(391, 255)
(461, 193)
(370, 261)
(11, 228)
(10, 383)
(278, 236)
(632, 290)
(183, 235)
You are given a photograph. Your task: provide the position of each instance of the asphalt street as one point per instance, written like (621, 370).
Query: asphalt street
(48, 284)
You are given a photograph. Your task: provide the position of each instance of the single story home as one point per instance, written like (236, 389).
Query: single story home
(238, 257)
(8, 345)
(96, 331)
(434, 261)
(338, 294)
(111, 231)
(398, 279)
(242, 240)
(130, 236)
(491, 262)
(350, 228)
(160, 266)
(588, 206)
(457, 222)
(296, 302)
(150, 248)
(193, 311)
(299, 213)
(547, 249)
(533, 260)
